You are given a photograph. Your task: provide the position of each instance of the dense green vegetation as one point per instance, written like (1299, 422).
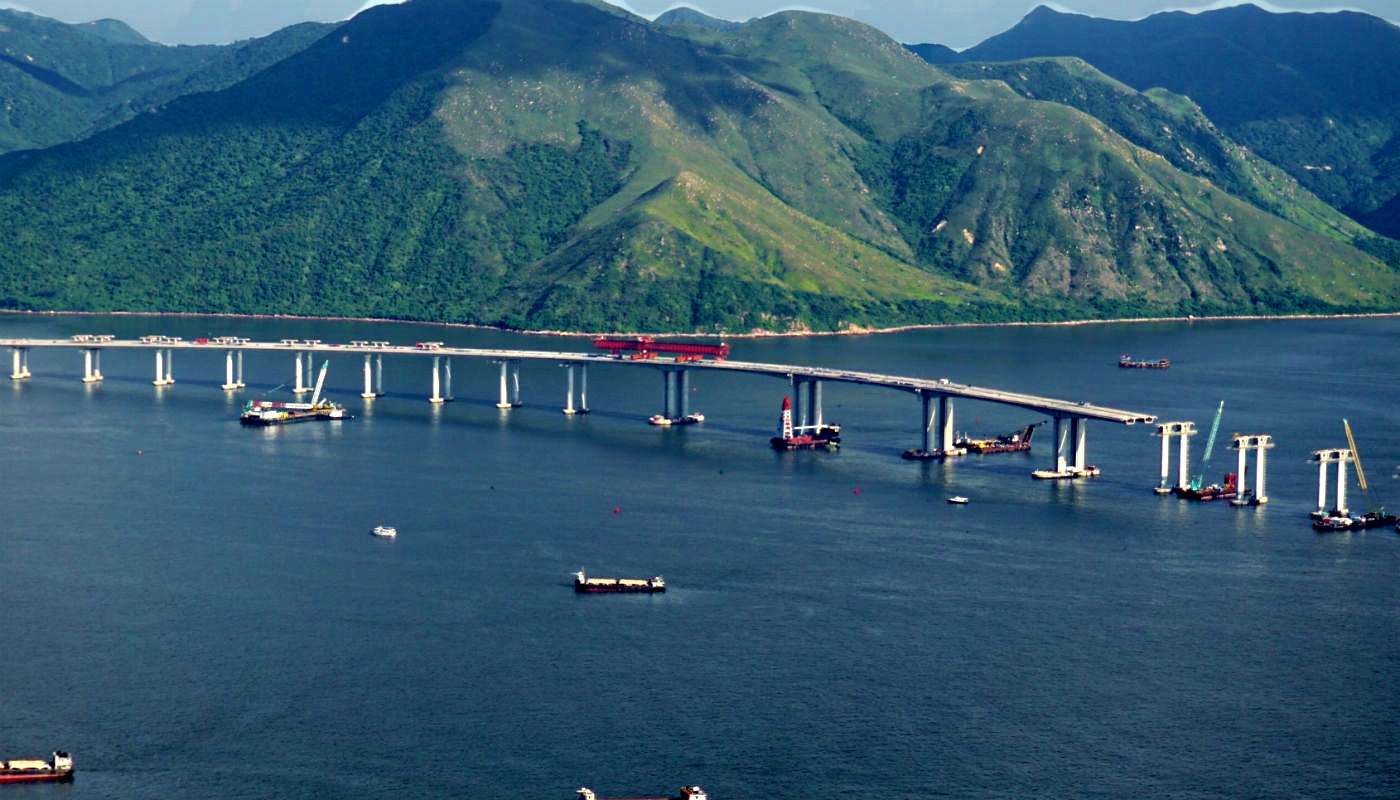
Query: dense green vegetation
(1311, 93)
(550, 164)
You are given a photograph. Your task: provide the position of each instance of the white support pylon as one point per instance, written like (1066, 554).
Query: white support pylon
(1182, 431)
(1259, 443)
(21, 363)
(1339, 456)
(92, 365)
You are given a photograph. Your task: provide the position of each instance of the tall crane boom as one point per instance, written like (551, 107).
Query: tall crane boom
(1210, 447)
(1356, 460)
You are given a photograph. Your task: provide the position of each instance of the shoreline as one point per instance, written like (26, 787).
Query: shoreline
(749, 335)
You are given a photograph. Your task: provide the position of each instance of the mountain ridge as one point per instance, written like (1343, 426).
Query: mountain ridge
(548, 164)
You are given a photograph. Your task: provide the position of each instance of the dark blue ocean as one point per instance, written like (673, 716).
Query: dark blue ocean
(197, 610)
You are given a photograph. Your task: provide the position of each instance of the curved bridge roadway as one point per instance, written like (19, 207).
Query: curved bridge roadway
(937, 394)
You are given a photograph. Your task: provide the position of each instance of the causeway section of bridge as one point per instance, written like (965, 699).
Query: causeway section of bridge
(936, 395)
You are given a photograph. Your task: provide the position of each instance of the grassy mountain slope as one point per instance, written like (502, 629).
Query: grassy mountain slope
(1312, 93)
(555, 164)
(64, 82)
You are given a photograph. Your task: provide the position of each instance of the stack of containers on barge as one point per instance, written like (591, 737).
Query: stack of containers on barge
(59, 768)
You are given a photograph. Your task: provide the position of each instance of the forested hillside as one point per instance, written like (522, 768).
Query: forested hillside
(552, 164)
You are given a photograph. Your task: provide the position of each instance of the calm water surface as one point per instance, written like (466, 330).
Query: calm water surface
(195, 609)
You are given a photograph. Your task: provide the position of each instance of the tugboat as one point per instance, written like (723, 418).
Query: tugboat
(59, 768)
(803, 438)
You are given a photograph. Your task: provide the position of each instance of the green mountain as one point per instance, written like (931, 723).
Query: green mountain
(65, 82)
(551, 164)
(1313, 93)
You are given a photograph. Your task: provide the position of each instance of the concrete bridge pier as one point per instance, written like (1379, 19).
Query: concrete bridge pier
(20, 357)
(583, 393)
(438, 375)
(510, 383)
(233, 379)
(92, 365)
(938, 428)
(1244, 443)
(1183, 431)
(369, 393)
(165, 367)
(807, 404)
(1340, 457)
(1075, 464)
(303, 373)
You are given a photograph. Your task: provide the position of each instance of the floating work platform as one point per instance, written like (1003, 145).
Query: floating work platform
(1065, 474)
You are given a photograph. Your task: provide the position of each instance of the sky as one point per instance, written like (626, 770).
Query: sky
(957, 23)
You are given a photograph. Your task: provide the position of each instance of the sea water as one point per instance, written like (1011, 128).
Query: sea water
(198, 609)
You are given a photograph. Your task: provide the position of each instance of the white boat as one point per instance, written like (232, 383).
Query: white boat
(384, 532)
(958, 499)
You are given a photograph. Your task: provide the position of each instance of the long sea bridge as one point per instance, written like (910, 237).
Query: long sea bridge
(937, 395)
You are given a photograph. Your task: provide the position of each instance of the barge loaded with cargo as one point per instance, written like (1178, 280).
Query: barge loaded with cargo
(687, 793)
(586, 585)
(19, 770)
(274, 412)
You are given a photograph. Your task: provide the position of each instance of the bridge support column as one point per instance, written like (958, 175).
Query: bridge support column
(447, 378)
(1079, 431)
(682, 393)
(583, 394)
(945, 415)
(1340, 457)
(1075, 464)
(233, 379)
(814, 392)
(1182, 431)
(368, 393)
(20, 357)
(92, 365)
(1259, 443)
(668, 394)
(303, 373)
(938, 436)
(165, 367)
(510, 384)
(437, 381)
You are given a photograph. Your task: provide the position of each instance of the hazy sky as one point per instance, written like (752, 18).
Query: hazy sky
(956, 23)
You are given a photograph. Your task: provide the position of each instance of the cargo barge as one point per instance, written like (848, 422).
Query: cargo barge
(687, 793)
(586, 585)
(1227, 489)
(1342, 522)
(809, 437)
(1126, 362)
(666, 422)
(1015, 442)
(274, 412)
(59, 768)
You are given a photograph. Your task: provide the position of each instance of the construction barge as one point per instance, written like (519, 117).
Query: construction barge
(808, 437)
(1126, 362)
(276, 412)
(1014, 442)
(58, 769)
(586, 585)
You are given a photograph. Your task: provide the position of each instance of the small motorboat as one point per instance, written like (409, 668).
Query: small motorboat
(384, 532)
(958, 500)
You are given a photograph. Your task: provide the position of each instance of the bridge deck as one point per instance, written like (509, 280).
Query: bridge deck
(938, 386)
